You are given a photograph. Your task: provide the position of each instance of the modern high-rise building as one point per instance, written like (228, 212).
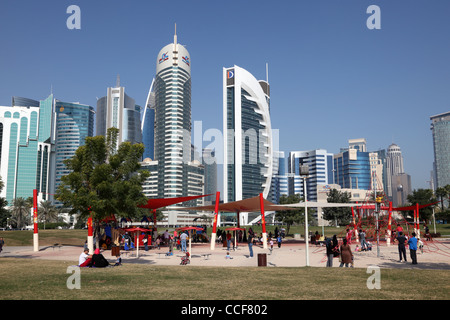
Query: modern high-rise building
(320, 165)
(118, 110)
(173, 119)
(209, 161)
(178, 176)
(148, 125)
(352, 167)
(280, 181)
(27, 149)
(248, 153)
(440, 128)
(73, 123)
(394, 166)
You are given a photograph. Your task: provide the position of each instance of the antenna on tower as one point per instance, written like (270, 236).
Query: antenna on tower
(118, 81)
(267, 72)
(175, 36)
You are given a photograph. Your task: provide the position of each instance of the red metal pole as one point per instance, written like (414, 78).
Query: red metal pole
(35, 221)
(263, 220)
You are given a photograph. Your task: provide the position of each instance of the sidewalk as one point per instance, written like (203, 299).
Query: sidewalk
(291, 254)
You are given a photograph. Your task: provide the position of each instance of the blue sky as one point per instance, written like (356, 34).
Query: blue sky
(332, 79)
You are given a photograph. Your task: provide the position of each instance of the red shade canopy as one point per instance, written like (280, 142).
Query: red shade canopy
(234, 229)
(164, 202)
(246, 205)
(137, 229)
(189, 228)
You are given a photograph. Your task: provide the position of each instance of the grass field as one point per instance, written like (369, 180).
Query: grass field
(44, 279)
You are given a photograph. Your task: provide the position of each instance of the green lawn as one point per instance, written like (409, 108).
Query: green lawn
(45, 279)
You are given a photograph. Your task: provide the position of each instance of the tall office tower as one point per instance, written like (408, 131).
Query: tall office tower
(173, 119)
(118, 110)
(376, 171)
(358, 144)
(27, 150)
(320, 164)
(148, 124)
(73, 123)
(440, 128)
(394, 166)
(210, 164)
(280, 182)
(248, 154)
(352, 168)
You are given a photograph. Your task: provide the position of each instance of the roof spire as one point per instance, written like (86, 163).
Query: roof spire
(175, 36)
(118, 81)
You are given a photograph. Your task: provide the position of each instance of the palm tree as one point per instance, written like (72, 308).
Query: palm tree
(20, 212)
(47, 211)
(442, 192)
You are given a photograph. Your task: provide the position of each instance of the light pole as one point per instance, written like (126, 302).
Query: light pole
(304, 172)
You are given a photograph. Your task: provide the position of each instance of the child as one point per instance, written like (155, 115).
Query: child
(228, 256)
(271, 244)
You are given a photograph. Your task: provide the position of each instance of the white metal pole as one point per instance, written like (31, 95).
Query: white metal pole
(306, 221)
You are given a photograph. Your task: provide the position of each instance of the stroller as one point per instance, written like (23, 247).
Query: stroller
(185, 260)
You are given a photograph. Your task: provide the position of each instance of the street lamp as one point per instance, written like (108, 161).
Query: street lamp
(304, 173)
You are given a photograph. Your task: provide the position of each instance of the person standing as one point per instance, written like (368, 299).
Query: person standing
(329, 252)
(413, 248)
(362, 239)
(346, 254)
(401, 246)
(279, 239)
(2, 243)
(250, 244)
(228, 240)
(183, 238)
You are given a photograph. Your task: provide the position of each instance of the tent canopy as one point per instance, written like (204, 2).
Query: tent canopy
(246, 205)
(154, 204)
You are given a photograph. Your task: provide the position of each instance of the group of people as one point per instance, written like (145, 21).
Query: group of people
(96, 260)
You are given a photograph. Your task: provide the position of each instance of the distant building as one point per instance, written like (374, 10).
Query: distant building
(440, 128)
(118, 110)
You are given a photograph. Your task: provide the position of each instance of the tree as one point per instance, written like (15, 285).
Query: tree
(340, 215)
(104, 179)
(422, 196)
(4, 213)
(289, 217)
(442, 193)
(47, 212)
(20, 212)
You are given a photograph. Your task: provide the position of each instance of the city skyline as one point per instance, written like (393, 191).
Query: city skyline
(332, 79)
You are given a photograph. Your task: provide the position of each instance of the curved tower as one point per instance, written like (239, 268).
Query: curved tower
(248, 151)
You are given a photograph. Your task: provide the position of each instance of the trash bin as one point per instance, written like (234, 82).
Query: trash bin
(115, 251)
(262, 260)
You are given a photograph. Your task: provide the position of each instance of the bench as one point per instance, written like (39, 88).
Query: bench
(206, 255)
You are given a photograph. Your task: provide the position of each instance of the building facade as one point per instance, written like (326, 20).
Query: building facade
(74, 122)
(440, 129)
(248, 154)
(27, 149)
(120, 111)
(352, 169)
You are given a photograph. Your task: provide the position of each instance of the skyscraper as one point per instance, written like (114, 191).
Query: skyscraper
(352, 166)
(118, 110)
(74, 122)
(173, 119)
(148, 125)
(440, 128)
(320, 164)
(248, 153)
(27, 149)
(394, 166)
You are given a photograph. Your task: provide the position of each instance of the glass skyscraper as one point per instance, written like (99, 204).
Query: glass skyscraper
(120, 111)
(74, 122)
(352, 169)
(248, 148)
(26, 149)
(440, 128)
(173, 119)
(148, 125)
